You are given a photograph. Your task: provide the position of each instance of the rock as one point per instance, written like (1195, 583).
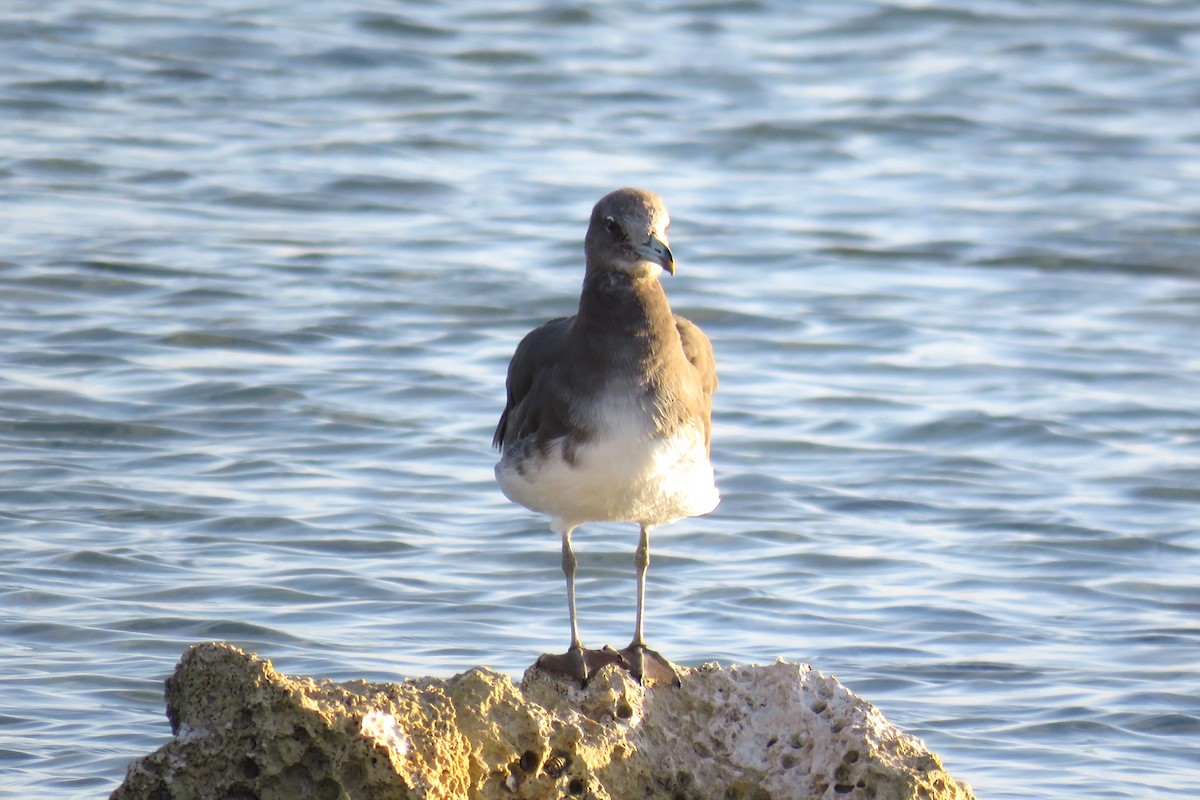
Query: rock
(779, 731)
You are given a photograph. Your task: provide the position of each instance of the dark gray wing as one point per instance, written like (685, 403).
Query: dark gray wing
(699, 352)
(538, 355)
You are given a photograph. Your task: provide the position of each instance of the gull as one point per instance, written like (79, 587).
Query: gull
(608, 413)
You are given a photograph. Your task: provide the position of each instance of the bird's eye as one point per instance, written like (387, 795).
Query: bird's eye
(614, 227)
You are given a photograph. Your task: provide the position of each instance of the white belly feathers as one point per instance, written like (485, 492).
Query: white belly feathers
(626, 473)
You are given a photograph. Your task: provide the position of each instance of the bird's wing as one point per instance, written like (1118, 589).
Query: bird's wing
(538, 354)
(699, 352)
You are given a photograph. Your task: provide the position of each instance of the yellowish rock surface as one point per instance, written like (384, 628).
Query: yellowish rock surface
(778, 731)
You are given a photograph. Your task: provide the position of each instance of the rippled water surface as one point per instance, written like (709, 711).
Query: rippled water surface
(262, 266)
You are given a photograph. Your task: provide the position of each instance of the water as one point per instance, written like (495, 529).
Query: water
(262, 267)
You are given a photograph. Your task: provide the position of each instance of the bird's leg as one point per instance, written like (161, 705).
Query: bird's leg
(578, 662)
(642, 661)
(641, 560)
(569, 564)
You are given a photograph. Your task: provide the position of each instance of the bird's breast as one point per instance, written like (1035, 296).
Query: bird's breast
(621, 411)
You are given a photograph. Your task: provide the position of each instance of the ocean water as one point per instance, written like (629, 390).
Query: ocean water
(262, 265)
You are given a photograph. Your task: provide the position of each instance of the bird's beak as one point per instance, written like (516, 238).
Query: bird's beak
(656, 250)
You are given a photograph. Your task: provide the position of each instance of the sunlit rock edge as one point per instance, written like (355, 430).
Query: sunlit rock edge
(781, 730)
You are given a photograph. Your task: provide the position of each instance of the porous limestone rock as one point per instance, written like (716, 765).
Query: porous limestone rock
(243, 731)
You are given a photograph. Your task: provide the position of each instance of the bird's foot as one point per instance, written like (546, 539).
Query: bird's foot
(648, 666)
(579, 662)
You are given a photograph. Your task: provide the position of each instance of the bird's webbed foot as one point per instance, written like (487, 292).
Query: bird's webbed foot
(579, 662)
(648, 666)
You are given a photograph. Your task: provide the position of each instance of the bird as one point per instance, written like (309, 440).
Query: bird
(608, 414)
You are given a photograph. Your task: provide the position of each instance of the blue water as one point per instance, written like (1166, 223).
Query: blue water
(262, 266)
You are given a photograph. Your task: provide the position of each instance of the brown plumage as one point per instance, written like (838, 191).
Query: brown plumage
(608, 414)
(624, 325)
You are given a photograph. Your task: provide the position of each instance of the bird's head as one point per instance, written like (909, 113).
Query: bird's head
(628, 233)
